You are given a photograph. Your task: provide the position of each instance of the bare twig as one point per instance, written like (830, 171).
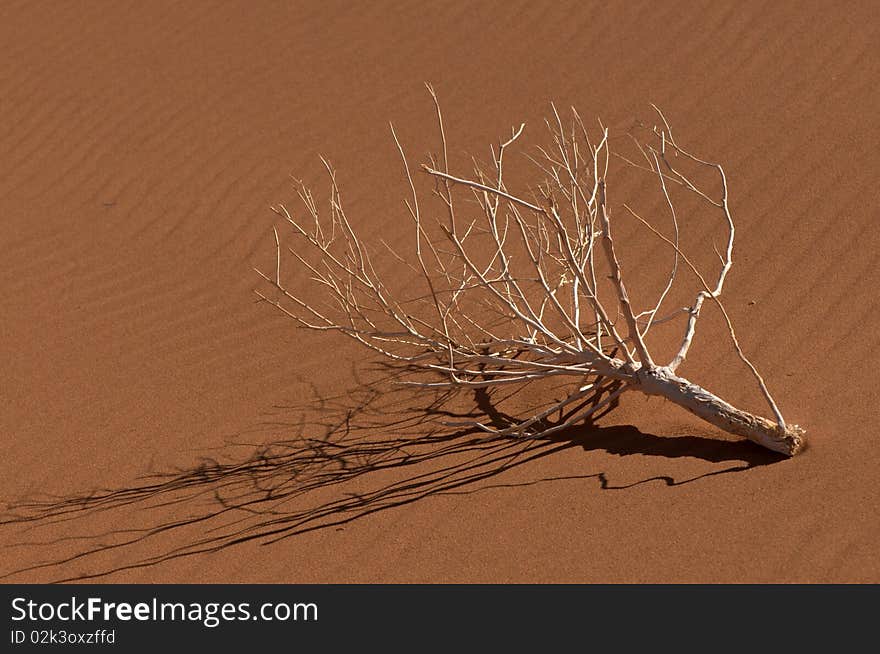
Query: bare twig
(514, 295)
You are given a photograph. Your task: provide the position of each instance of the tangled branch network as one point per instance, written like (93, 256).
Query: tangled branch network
(532, 287)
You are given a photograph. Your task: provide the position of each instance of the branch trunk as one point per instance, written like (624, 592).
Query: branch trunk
(788, 440)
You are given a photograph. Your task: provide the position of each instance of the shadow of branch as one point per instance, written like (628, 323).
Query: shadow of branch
(362, 454)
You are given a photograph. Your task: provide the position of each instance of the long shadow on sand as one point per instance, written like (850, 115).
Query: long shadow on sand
(357, 457)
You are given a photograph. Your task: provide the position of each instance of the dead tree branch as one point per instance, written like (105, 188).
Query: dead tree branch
(518, 293)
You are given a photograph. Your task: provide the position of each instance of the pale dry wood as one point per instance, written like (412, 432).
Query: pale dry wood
(513, 295)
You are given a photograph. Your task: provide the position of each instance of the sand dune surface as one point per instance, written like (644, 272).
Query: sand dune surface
(160, 425)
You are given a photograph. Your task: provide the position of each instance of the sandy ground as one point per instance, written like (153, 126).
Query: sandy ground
(141, 146)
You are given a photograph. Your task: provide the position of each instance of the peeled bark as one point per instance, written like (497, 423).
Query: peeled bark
(662, 381)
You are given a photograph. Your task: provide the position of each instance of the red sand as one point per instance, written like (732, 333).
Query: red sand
(142, 144)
